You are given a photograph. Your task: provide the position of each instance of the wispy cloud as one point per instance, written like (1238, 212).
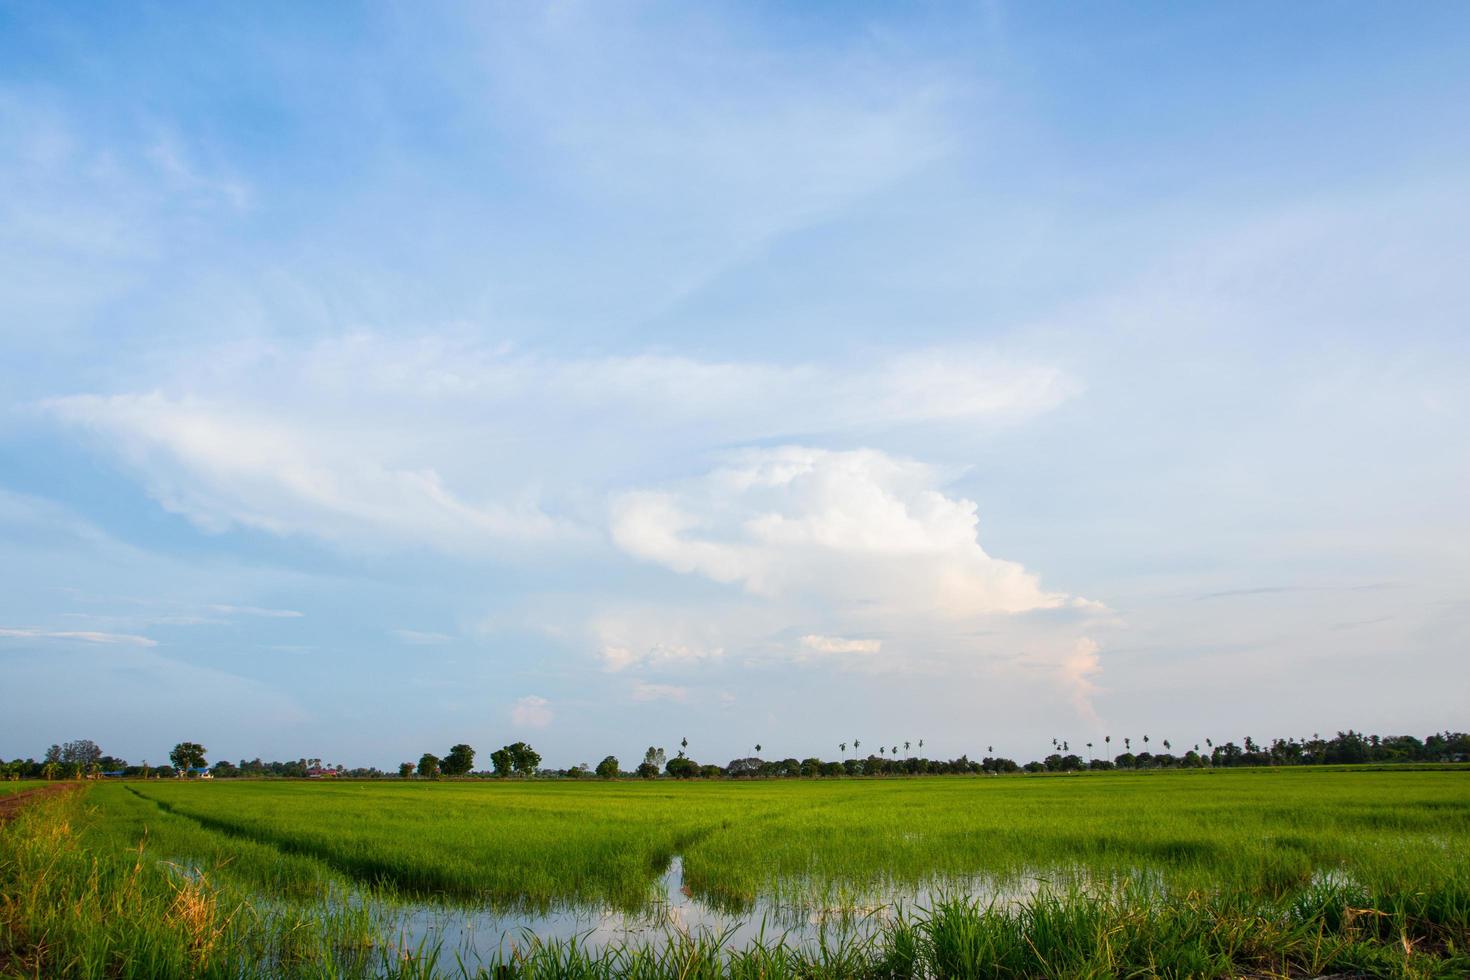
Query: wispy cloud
(360, 440)
(256, 611)
(85, 636)
(817, 643)
(1288, 589)
(422, 638)
(643, 691)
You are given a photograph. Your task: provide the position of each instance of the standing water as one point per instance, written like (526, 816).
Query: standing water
(485, 935)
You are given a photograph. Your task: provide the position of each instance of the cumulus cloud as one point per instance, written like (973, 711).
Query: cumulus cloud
(817, 643)
(854, 528)
(531, 711)
(85, 636)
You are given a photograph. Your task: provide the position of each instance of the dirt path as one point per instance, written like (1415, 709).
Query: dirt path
(11, 805)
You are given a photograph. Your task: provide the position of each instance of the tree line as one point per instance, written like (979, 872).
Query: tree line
(83, 758)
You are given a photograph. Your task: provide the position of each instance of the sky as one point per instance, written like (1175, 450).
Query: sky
(376, 378)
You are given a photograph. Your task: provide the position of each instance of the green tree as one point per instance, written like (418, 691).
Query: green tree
(83, 750)
(682, 768)
(460, 760)
(405, 770)
(428, 765)
(652, 764)
(524, 759)
(501, 760)
(608, 768)
(187, 755)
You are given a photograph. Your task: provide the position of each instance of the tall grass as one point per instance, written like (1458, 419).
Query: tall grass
(80, 896)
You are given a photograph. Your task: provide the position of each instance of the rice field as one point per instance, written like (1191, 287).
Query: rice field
(1285, 872)
(11, 786)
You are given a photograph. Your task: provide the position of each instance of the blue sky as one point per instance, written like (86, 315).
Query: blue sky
(378, 378)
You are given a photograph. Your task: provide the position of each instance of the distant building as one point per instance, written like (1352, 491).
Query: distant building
(320, 773)
(200, 772)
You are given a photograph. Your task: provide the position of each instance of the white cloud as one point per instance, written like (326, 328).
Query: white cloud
(363, 440)
(256, 611)
(220, 467)
(650, 636)
(1078, 672)
(421, 638)
(643, 691)
(85, 636)
(817, 643)
(531, 711)
(857, 529)
(619, 657)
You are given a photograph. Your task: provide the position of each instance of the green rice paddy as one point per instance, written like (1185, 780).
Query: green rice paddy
(1213, 873)
(10, 786)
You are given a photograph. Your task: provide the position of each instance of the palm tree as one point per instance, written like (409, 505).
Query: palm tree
(1108, 740)
(882, 750)
(905, 747)
(855, 744)
(990, 749)
(1127, 744)
(757, 748)
(1167, 746)
(842, 747)
(1145, 743)
(1089, 753)
(921, 745)
(683, 744)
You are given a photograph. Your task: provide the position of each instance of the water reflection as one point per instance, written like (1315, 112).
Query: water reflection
(485, 935)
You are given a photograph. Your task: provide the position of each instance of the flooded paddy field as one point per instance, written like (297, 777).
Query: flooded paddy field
(1280, 872)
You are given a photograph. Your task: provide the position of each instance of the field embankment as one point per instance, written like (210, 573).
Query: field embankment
(18, 795)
